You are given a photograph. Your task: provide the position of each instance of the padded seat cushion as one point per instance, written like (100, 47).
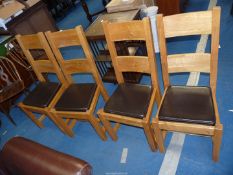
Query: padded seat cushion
(129, 100)
(188, 104)
(77, 97)
(42, 95)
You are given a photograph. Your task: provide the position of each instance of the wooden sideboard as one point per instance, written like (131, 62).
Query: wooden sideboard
(171, 7)
(34, 19)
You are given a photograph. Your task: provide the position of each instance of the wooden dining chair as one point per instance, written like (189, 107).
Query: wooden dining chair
(11, 85)
(131, 104)
(45, 94)
(79, 100)
(189, 109)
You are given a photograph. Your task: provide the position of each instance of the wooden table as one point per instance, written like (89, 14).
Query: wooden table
(95, 30)
(96, 38)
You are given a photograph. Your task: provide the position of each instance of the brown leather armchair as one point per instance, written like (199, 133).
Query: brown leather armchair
(21, 156)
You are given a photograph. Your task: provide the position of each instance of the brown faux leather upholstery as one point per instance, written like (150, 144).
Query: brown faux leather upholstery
(77, 97)
(24, 157)
(129, 100)
(188, 104)
(42, 95)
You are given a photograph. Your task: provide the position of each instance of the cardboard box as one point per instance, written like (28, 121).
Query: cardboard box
(124, 5)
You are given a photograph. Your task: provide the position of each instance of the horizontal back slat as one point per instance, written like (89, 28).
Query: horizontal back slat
(192, 62)
(77, 66)
(194, 23)
(65, 38)
(44, 66)
(126, 31)
(133, 64)
(31, 42)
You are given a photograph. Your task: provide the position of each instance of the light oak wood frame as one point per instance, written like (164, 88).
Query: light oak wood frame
(134, 30)
(76, 37)
(195, 23)
(44, 65)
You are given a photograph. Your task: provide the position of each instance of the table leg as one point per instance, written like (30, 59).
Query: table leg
(232, 9)
(104, 3)
(85, 8)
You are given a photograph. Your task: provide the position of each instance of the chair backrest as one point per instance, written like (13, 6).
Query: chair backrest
(131, 31)
(8, 72)
(194, 23)
(74, 37)
(46, 63)
(10, 80)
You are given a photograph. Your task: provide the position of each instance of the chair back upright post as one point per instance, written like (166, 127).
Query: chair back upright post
(45, 64)
(197, 23)
(75, 37)
(136, 30)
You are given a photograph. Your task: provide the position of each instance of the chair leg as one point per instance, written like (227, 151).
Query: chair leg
(108, 127)
(217, 139)
(158, 97)
(33, 118)
(159, 136)
(96, 125)
(61, 124)
(5, 109)
(104, 95)
(150, 136)
(10, 118)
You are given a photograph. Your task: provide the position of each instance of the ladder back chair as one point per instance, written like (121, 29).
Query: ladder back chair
(131, 104)
(44, 95)
(189, 109)
(79, 100)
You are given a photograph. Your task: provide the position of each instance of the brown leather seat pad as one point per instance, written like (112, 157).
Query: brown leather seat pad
(129, 100)
(188, 104)
(77, 97)
(42, 95)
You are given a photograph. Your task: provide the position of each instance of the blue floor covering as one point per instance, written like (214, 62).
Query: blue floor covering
(196, 156)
